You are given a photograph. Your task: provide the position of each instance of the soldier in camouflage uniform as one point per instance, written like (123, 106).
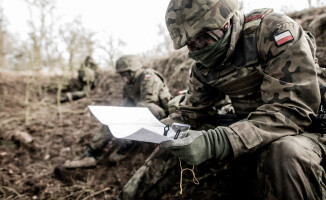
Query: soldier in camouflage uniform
(143, 88)
(265, 62)
(87, 76)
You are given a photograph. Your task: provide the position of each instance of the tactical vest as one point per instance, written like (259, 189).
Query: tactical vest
(241, 77)
(160, 97)
(164, 94)
(174, 103)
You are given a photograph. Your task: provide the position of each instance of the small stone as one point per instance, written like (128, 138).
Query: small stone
(23, 137)
(46, 157)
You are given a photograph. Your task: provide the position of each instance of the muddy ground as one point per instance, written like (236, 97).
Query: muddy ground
(37, 135)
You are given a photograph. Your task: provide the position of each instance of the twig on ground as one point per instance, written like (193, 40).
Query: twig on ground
(97, 193)
(13, 119)
(3, 188)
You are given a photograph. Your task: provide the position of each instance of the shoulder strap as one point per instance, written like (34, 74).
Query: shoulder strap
(246, 49)
(254, 18)
(157, 73)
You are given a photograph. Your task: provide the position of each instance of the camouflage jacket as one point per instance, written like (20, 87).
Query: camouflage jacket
(88, 72)
(145, 88)
(270, 73)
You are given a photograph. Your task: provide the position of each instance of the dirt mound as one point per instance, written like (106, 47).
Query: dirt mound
(37, 134)
(175, 68)
(314, 20)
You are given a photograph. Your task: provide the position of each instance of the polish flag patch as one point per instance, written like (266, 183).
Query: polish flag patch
(181, 92)
(283, 38)
(148, 76)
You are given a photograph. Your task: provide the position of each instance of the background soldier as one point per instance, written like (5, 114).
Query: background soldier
(144, 88)
(266, 64)
(87, 76)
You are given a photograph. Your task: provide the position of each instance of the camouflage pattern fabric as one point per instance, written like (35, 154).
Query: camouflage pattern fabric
(174, 103)
(280, 86)
(301, 158)
(127, 63)
(101, 138)
(252, 175)
(184, 21)
(88, 73)
(159, 173)
(147, 89)
(277, 88)
(80, 87)
(155, 177)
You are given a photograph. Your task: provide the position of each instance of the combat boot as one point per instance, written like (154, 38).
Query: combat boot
(87, 159)
(66, 97)
(72, 96)
(122, 152)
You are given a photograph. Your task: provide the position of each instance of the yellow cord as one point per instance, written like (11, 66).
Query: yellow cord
(194, 179)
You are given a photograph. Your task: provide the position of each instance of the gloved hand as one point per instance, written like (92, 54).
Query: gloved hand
(157, 111)
(195, 147)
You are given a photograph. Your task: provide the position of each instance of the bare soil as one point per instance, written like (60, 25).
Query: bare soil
(31, 170)
(37, 135)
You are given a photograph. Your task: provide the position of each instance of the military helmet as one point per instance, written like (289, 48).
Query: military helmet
(127, 63)
(186, 18)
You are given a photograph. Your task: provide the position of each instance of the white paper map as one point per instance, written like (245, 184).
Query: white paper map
(133, 123)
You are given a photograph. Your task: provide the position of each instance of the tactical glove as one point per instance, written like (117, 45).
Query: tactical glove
(195, 147)
(157, 111)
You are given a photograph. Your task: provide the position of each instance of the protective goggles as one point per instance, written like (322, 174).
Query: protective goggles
(203, 39)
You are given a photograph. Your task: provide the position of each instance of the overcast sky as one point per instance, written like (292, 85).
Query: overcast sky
(133, 21)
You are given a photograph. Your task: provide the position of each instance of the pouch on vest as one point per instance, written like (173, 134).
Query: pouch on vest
(174, 103)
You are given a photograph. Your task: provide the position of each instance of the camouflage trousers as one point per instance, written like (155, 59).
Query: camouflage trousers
(76, 90)
(289, 168)
(102, 138)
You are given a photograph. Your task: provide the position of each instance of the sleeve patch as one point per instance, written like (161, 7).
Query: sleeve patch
(283, 38)
(254, 17)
